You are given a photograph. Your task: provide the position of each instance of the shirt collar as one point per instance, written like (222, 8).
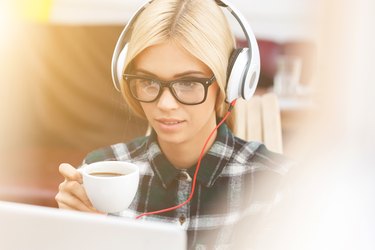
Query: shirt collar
(211, 166)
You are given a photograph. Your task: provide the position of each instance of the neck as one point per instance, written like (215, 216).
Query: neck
(185, 155)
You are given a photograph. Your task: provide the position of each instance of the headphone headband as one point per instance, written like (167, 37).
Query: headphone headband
(120, 44)
(252, 68)
(243, 75)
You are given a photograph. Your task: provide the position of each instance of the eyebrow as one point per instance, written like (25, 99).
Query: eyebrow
(179, 75)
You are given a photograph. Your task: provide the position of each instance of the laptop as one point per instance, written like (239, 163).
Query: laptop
(32, 227)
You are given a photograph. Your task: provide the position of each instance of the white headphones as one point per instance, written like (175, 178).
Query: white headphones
(243, 66)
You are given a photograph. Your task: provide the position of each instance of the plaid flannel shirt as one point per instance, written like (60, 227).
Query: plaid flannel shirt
(236, 180)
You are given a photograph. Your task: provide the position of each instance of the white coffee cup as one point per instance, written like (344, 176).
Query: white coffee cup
(110, 185)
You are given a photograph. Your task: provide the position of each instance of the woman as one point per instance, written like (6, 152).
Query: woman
(175, 76)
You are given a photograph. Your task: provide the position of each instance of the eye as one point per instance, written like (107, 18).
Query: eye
(188, 84)
(147, 87)
(144, 83)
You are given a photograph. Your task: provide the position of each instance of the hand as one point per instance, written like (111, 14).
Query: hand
(71, 193)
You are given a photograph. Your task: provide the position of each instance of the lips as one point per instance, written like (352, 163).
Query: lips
(166, 121)
(169, 125)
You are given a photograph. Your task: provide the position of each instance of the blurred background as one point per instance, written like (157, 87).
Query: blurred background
(57, 103)
(57, 98)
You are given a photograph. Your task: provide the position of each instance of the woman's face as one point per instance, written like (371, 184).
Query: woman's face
(174, 122)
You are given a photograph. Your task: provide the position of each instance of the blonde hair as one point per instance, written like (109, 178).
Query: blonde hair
(199, 26)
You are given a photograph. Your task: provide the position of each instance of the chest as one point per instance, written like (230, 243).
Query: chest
(208, 207)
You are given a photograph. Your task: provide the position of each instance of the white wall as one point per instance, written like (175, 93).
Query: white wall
(280, 19)
(274, 19)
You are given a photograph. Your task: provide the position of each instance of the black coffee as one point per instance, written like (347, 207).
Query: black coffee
(106, 174)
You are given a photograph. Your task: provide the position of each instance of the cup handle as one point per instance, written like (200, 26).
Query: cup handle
(80, 168)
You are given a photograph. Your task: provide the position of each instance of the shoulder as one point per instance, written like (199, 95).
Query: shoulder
(119, 151)
(256, 156)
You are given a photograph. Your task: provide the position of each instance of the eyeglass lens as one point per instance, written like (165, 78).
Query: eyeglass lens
(148, 90)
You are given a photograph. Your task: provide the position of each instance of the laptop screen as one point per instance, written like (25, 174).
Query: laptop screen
(34, 227)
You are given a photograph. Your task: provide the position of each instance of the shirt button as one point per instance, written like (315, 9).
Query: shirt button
(184, 176)
(182, 219)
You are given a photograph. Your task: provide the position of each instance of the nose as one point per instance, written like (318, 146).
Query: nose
(167, 100)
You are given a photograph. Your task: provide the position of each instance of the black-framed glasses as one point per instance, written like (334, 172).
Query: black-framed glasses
(189, 91)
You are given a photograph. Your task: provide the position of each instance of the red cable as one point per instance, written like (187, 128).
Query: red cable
(196, 170)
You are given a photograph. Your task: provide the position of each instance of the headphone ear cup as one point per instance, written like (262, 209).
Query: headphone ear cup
(251, 78)
(236, 67)
(232, 60)
(120, 64)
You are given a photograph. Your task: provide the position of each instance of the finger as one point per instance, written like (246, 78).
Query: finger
(72, 203)
(70, 173)
(93, 210)
(64, 206)
(75, 189)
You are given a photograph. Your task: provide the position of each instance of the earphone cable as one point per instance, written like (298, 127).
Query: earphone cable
(196, 170)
